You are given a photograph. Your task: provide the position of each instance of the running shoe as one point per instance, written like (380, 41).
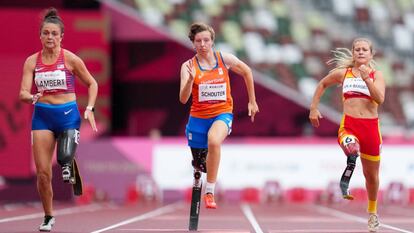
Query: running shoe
(373, 223)
(47, 224)
(209, 201)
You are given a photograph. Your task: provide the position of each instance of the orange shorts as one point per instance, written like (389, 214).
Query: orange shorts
(367, 133)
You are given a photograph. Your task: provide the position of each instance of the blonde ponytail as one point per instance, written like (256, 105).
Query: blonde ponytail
(343, 57)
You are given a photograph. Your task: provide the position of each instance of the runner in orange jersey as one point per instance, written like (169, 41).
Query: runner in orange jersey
(205, 77)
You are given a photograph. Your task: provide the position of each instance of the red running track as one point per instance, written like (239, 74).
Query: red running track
(233, 218)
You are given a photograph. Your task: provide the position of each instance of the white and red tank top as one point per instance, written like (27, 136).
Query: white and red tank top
(355, 87)
(55, 78)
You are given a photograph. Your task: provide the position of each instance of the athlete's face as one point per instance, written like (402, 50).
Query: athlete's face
(50, 35)
(203, 42)
(362, 52)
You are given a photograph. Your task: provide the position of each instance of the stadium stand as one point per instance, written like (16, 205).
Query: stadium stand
(290, 41)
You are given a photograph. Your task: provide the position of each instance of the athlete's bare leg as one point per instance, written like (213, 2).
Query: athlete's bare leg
(43, 148)
(216, 135)
(371, 171)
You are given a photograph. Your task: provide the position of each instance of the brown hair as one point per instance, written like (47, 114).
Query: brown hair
(51, 16)
(200, 27)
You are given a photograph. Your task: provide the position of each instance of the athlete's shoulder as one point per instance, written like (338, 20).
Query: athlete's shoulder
(375, 72)
(225, 54)
(340, 72)
(69, 55)
(336, 75)
(31, 60)
(229, 59)
(72, 59)
(33, 56)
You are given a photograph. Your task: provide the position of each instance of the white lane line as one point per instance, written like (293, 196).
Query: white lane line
(182, 230)
(247, 211)
(351, 217)
(65, 211)
(151, 214)
(319, 231)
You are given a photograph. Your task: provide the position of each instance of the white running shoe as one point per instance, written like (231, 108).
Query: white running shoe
(47, 224)
(373, 223)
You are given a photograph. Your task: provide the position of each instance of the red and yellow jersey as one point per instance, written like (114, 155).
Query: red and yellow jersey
(211, 94)
(355, 87)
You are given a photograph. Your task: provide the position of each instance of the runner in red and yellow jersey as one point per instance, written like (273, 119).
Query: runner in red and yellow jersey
(363, 90)
(205, 77)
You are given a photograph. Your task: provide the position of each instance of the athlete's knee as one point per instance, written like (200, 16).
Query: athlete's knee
(350, 145)
(213, 142)
(199, 158)
(43, 177)
(371, 176)
(67, 143)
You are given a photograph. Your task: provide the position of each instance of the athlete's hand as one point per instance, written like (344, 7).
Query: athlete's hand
(314, 116)
(364, 70)
(190, 69)
(36, 97)
(253, 109)
(88, 115)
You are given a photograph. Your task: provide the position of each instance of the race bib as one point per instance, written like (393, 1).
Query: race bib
(212, 92)
(348, 140)
(52, 80)
(355, 85)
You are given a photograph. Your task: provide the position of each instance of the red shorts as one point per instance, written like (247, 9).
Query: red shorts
(367, 133)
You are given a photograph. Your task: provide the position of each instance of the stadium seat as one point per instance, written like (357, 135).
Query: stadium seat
(268, 33)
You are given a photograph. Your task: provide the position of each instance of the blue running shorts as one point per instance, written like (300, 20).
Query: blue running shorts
(56, 117)
(197, 129)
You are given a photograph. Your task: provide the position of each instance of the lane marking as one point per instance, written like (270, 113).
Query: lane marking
(355, 218)
(319, 231)
(151, 214)
(182, 230)
(247, 211)
(66, 211)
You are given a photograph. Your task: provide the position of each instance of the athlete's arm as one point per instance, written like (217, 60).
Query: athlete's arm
(334, 77)
(244, 70)
(377, 87)
(80, 70)
(27, 80)
(187, 74)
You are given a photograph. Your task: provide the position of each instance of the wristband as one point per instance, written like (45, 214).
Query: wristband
(90, 108)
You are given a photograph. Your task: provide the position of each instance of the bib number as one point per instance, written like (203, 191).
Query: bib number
(212, 92)
(53, 80)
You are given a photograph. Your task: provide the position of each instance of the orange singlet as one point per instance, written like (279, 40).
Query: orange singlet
(211, 93)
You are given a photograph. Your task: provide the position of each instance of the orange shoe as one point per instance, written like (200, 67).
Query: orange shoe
(209, 201)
